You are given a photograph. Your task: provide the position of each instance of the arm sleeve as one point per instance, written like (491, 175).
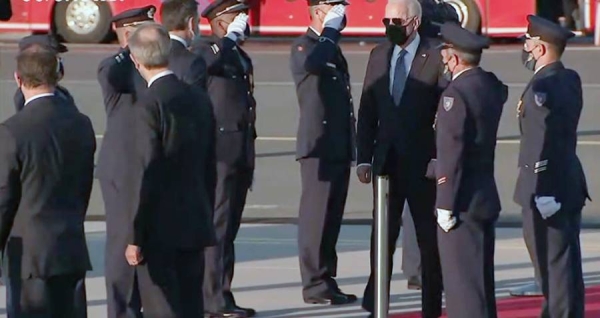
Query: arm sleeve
(324, 52)
(196, 76)
(216, 55)
(10, 188)
(368, 118)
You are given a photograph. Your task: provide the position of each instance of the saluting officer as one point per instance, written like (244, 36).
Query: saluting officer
(467, 198)
(324, 148)
(230, 85)
(121, 86)
(551, 186)
(48, 43)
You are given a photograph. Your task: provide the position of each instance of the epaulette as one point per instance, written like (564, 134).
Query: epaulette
(215, 48)
(120, 57)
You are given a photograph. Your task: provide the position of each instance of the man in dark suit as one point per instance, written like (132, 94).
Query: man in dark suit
(467, 202)
(324, 148)
(551, 186)
(230, 85)
(49, 43)
(121, 86)
(180, 18)
(46, 173)
(165, 155)
(395, 137)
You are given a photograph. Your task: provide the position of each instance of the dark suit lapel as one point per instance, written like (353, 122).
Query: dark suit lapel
(421, 57)
(388, 50)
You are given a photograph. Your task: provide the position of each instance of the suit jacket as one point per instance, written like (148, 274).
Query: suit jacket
(46, 175)
(230, 84)
(19, 99)
(549, 112)
(121, 86)
(165, 159)
(327, 125)
(467, 125)
(406, 128)
(5, 10)
(189, 67)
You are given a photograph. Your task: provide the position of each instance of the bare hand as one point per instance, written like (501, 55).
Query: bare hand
(364, 174)
(133, 254)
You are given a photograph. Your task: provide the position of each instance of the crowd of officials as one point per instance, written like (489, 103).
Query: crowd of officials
(177, 161)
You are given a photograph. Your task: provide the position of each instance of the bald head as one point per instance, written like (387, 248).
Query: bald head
(150, 45)
(403, 9)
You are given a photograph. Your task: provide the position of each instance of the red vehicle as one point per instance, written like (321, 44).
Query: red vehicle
(88, 21)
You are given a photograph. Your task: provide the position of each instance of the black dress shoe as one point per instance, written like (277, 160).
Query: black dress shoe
(248, 311)
(226, 313)
(331, 298)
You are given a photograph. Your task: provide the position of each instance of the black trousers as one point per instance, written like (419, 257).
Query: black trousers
(53, 297)
(232, 188)
(122, 292)
(467, 258)
(558, 259)
(171, 283)
(407, 182)
(324, 192)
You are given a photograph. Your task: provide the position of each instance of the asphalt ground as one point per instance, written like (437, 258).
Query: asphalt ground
(276, 191)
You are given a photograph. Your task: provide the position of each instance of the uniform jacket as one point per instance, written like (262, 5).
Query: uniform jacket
(19, 99)
(466, 131)
(230, 85)
(549, 113)
(165, 160)
(189, 67)
(46, 175)
(326, 129)
(121, 85)
(408, 127)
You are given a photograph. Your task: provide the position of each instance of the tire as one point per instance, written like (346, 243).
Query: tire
(65, 24)
(468, 13)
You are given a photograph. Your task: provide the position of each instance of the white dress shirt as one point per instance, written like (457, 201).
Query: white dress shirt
(411, 52)
(159, 75)
(179, 39)
(455, 76)
(36, 97)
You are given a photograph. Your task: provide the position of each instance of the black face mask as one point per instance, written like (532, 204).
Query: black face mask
(528, 60)
(397, 34)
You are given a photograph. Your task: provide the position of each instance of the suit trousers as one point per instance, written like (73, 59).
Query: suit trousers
(322, 203)
(171, 283)
(411, 256)
(558, 256)
(122, 291)
(467, 258)
(53, 297)
(529, 238)
(407, 182)
(230, 198)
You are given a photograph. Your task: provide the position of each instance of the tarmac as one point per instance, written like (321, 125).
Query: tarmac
(276, 189)
(267, 275)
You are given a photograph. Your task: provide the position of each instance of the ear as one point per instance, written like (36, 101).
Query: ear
(135, 62)
(191, 23)
(17, 79)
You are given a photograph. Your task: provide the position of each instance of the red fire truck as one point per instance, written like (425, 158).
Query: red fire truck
(88, 21)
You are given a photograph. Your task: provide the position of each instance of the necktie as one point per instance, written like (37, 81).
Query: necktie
(399, 78)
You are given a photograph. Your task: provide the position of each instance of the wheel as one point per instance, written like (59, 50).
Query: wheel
(82, 21)
(468, 13)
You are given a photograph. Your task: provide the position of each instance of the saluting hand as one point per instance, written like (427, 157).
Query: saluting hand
(335, 17)
(236, 28)
(133, 254)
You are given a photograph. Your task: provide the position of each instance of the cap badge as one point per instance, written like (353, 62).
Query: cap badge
(151, 13)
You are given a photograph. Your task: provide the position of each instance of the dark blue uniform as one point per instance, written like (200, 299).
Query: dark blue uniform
(230, 85)
(325, 149)
(121, 86)
(548, 113)
(469, 113)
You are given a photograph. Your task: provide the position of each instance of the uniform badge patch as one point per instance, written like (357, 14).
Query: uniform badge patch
(540, 98)
(448, 103)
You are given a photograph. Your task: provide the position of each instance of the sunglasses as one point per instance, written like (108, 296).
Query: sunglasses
(396, 21)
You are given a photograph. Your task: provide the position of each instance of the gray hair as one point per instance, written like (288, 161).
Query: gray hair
(414, 7)
(468, 58)
(150, 45)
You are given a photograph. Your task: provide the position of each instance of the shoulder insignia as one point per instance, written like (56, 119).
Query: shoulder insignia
(441, 180)
(119, 57)
(540, 98)
(448, 103)
(215, 48)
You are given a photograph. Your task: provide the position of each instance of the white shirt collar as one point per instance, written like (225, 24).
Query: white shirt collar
(159, 75)
(179, 39)
(455, 76)
(37, 96)
(540, 68)
(413, 46)
(314, 30)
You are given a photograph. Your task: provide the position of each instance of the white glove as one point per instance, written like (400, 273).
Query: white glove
(236, 28)
(335, 17)
(445, 219)
(547, 206)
